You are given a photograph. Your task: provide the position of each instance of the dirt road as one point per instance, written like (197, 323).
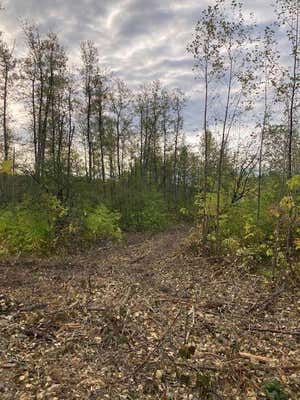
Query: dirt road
(144, 320)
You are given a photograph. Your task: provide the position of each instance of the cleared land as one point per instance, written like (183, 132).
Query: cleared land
(140, 320)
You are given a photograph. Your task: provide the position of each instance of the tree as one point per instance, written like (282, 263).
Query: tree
(166, 124)
(288, 12)
(178, 103)
(205, 48)
(99, 105)
(7, 65)
(267, 57)
(44, 77)
(89, 57)
(237, 71)
(120, 104)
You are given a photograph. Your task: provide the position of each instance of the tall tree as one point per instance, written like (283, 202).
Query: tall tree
(235, 39)
(100, 106)
(178, 103)
(89, 57)
(166, 125)
(268, 58)
(7, 65)
(288, 12)
(121, 101)
(205, 48)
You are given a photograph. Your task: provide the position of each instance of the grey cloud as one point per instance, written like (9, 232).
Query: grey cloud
(139, 40)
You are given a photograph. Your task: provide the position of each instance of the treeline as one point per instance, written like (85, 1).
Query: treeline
(99, 154)
(86, 122)
(89, 140)
(250, 102)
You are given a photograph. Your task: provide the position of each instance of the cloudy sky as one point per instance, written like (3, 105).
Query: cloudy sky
(139, 40)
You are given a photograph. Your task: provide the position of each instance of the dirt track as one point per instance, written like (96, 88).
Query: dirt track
(140, 320)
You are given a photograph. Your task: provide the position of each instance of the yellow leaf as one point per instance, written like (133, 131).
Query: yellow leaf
(24, 396)
(7, 167)
(297, 243)
(294, 183)
(287, 203)
(159, 374)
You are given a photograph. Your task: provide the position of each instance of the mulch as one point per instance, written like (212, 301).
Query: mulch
(145, 320)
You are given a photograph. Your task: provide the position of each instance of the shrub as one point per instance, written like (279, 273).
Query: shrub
(101, 223)
(147, 211)
(40, 228)
(31, 227)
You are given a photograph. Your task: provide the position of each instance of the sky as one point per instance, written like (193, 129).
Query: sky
(138, 40)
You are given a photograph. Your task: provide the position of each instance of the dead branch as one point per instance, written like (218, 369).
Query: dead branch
(254, 357)
(276, 331)
(262, 306)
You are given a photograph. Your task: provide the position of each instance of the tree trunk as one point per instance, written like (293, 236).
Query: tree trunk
(5, 130)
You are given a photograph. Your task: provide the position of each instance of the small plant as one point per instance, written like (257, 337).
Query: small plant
(204, 385)
(274, 390)
(187, 351)
(101, 223)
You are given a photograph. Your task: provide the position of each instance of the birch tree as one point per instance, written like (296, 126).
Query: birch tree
(288, 13)
(205, 49)
(7, 66)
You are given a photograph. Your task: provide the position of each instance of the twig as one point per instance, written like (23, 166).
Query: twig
(32, 307)
(188, 329)
(198, 368)
(278, 331)
(140, 258)
(262, 306)
(90, 284)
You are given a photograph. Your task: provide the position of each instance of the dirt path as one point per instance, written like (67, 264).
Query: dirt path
(140, 320)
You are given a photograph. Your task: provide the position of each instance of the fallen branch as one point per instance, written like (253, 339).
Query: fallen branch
(262, 306)
(253, 357)
(32, 307)
(198, 368)
(140, 258)
(277, 331)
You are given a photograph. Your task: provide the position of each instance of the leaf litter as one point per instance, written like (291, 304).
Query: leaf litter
(144, 320)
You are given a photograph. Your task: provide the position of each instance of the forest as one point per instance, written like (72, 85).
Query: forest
(140, 259)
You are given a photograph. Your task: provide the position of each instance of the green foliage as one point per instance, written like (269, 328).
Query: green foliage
(244, 235)
(209, 207)
(204, 384)
(146, 211)
(28, 228)
(102, 224)
(22, 230)
(294, 183)
(255, 239)
(275, 391)
(40, 228)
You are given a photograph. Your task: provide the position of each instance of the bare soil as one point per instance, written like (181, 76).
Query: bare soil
(145, 320)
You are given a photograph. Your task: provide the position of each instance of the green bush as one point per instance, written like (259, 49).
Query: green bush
(31, 227)
(101, 223)
(41, 228)
(147, 211)
(22, 231)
